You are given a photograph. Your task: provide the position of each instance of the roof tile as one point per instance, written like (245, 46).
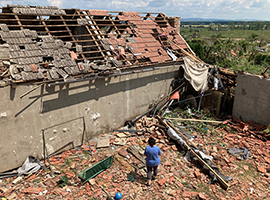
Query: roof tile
(99, 12)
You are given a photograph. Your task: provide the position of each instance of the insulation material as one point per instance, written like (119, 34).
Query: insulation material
(196, 74)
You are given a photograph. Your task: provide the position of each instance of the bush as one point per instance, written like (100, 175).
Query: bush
(261, 59)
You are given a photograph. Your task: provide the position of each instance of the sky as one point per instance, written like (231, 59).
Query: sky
(217, 9)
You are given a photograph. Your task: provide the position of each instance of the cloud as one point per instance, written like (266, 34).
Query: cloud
(223, 9)
(55, 2)
(4, 3)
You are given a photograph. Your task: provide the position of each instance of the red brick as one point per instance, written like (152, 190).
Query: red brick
(31, 190)
(123, 152)
(267, 159)
(73, 55)
(166, 148)
(198, 175)
(69, 174)
(7, 193)
(162, 181)
(168, 163)
(186, 194)
(32, 177)
(261, 169)
(172, 179)
(201, 196)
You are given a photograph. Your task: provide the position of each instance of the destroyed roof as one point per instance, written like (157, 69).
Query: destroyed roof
(45, 43)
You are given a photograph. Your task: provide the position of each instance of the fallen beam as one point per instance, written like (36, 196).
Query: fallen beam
(223, 183)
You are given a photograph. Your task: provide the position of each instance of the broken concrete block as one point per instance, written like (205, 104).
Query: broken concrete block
(4, 27)
(121, 135)
(59, 43)
(103, 143)
(3, 83)
(78, 48)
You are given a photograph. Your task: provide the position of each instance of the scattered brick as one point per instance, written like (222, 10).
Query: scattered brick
(168, 163)
(162, 181)
(198, 175)
(261, 169)
(201, 196)
(123, 152)
(31, 190)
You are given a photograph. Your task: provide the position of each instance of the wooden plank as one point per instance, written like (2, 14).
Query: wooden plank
(221, 181)
(75, 25)
(84, 35)
(18, 21)
(186, 53)
(74, 41)
(44, 24)
(94, 39)
(58, 31)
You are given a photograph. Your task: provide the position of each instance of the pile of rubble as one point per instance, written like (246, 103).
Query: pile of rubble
(177, 178)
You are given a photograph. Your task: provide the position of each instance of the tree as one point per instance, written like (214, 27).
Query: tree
(231, 25)
(219, 26)
(238, 25)
(211, 26)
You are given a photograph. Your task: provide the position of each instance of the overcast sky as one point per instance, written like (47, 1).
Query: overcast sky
(219, 9)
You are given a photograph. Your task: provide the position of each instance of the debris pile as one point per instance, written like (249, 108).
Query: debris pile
(176, 179)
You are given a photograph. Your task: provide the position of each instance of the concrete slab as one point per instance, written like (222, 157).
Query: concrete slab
(103, 143)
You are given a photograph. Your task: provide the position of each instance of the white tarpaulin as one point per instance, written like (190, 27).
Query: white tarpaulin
(196, 74)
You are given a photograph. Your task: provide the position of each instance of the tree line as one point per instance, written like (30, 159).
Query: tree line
(238, 25)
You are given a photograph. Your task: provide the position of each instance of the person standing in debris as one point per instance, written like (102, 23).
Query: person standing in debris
(152, 160)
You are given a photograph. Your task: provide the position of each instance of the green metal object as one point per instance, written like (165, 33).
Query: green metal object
(131, 177)
(96, 169)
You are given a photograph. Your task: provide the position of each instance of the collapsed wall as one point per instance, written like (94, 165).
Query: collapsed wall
(252, 99)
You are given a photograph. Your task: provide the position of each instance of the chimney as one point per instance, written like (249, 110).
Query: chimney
(175, 22)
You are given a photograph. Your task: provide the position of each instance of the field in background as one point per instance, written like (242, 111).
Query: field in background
(188, 32)
(241, 49)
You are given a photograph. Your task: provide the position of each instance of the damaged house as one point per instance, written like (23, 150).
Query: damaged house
(69, 74)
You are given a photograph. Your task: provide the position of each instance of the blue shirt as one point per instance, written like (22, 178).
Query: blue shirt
(152, 158)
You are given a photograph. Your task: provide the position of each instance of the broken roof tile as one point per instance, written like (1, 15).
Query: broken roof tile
(29, 47)
(99, 12)
(155, 59)
(138, 50)
(138, 39)
(150, 54)
(137, 45)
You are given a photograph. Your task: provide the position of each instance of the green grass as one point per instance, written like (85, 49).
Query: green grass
(205, 33)
(249, 67)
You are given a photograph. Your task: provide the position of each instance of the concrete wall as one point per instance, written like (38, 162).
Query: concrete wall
(105, 105)
(252, 99)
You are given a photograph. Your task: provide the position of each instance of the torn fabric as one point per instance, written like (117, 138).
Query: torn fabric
(31, 165)
(196, 74)
(173, 135)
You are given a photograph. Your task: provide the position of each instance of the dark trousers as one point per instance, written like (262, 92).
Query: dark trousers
(149, 172)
